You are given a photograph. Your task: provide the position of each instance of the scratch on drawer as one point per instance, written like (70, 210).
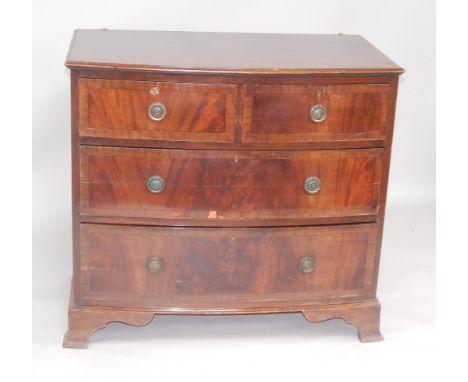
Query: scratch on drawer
(212, 215)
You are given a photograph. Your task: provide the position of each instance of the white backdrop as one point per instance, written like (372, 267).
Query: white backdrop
(269, 345)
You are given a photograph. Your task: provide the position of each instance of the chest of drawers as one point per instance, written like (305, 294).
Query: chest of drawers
(218, 173)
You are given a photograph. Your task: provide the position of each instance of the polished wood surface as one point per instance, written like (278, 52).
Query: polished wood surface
(119, 109)
(202, 52)
(228, 185)
(365, 316)
(234, 149)
(217, 268)
(206, 112)
(84, 320)
(280, 113)
(243, 140)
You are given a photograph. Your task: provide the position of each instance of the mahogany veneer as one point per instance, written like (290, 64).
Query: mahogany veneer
(354, 112)
(120, 109)
(204, 186)
(223, 267)
(220, 173)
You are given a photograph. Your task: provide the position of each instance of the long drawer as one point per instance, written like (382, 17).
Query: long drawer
(220, 267)
(195, 187)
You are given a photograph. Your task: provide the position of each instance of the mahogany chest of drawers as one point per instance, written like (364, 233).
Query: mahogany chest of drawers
(218, 173)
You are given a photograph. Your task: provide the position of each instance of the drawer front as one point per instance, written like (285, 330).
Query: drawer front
(294, 113)
(179, 111)
(228, 185)
(216, 267)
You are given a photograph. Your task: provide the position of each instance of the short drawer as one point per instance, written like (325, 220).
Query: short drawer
(156, 110)
(215, 267)
(315, 113)
(222, 186)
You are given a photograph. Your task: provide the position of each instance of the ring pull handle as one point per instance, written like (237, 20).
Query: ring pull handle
(157, 111)
(155, 183)
(154, 264)
(318, 113)
(307, 264)
(312, 185)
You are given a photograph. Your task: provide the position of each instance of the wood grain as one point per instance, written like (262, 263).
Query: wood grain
(365, 316)
(290, 141)
(119, 109)
(280, 113)
(83, 321)
(240, 53)
(225, 185)
(214, 268)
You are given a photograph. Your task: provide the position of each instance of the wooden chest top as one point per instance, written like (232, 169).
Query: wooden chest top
(243, 53)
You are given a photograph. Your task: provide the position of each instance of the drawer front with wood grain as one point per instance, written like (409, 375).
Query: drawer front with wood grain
(315, 113)
(212, 187)
(210, 268)
(157, 110)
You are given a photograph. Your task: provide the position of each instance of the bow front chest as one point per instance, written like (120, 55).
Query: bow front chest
(219, 173)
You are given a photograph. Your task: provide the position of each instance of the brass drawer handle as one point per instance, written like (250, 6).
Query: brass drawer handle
(307, 264)
(157, 111)
(318, 113)
(154, 264)
(155, 183)
(312, 185)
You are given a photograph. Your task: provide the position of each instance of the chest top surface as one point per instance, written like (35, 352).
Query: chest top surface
(236, 53)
